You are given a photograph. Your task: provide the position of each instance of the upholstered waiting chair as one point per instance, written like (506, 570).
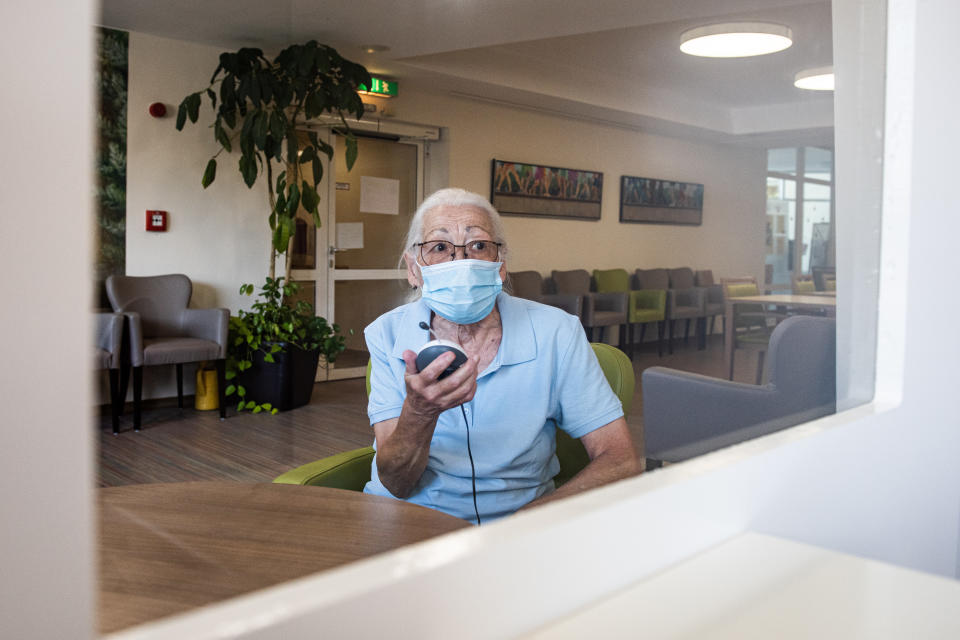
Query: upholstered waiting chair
(643, 307)
(689, 303)
(600, 310)
(351, 469)
(529, 285)
(686, 414)
(164, 331)
(713, 302)
(109, 331)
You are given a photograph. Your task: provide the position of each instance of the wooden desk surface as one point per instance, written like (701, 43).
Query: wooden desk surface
(797, 300)
(167, 548)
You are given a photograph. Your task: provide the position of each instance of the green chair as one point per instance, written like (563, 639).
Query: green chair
(804, 285)
(643, 307)
(351, 469)
(750, 330)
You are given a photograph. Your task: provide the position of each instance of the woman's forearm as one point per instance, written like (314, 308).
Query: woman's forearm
(402, 455)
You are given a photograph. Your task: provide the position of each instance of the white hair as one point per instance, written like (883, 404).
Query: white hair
(451, 197)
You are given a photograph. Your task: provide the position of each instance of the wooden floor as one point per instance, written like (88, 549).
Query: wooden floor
(182, 445)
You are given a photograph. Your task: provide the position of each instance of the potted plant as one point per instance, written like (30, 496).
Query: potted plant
(275, 349)
(259, 104)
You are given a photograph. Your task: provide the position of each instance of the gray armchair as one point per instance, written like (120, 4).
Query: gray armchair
(685, 414)
(682, 304)
(164, 331)
(107, 355)
(530, 285)
(600, 310)
(713, 301)
(689, 303)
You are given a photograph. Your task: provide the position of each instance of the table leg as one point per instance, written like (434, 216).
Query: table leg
(728, 338)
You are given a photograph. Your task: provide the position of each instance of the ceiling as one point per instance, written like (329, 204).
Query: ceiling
(612, 61)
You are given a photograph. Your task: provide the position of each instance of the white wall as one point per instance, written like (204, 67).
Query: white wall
(218, 236)
(46, 442)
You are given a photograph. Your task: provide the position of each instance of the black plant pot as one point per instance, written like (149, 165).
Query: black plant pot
(287, 382)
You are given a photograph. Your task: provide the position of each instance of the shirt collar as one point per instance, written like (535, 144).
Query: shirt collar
(517, 345)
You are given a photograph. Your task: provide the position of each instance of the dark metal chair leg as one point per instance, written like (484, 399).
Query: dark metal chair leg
(686, 331)
(760, 358)
(137, 392)
(660, 338)
(701, 333)
(670, 337)
(222, 387)
(115, 399)
(179, 385)
(643, 330)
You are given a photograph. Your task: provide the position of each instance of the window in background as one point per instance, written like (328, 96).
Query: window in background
(804, 212)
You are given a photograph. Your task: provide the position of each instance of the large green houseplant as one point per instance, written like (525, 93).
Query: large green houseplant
(259, 105)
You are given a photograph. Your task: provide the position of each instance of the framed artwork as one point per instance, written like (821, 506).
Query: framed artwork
(653, 201)
(520, 189)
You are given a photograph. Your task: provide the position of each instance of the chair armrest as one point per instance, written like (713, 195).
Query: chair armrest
(681, 408)
(208, 324)
(692, 297)
(109, 327)
(347, 470)
(611, 301)
(135, 334)
(572, 304)
(715, 293)
(586, 310)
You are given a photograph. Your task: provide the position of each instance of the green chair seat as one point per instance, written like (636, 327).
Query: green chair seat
(351, 469)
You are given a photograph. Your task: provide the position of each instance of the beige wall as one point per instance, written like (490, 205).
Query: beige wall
(219, 236)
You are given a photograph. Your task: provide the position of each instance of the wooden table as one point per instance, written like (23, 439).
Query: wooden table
(167, 548)
(818, 300)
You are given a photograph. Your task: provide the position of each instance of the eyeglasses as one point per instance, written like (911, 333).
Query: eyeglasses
(437, 251)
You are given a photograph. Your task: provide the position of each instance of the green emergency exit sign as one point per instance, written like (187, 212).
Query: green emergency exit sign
(380, 87)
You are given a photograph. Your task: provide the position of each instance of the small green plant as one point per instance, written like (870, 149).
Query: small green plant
(270, 323)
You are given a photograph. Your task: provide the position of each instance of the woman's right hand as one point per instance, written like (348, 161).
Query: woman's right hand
(403, 444)
(427, 396)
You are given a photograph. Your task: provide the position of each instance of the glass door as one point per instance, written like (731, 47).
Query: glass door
(352, 269)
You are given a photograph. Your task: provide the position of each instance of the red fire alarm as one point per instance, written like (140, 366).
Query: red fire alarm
(158, 109)
(156, 220)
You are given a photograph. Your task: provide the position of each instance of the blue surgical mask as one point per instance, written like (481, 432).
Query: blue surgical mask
(462, 291)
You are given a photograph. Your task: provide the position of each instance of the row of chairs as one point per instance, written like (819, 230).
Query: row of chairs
(151, 324)
(614, 297)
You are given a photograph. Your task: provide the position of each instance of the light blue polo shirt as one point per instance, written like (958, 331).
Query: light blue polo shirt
(544, 375)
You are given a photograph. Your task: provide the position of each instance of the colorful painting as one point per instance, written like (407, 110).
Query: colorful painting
(523, 189)
(657, 201)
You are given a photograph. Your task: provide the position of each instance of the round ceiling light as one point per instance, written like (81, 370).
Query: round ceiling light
(819, 79)
(374, 48)
(736, 39)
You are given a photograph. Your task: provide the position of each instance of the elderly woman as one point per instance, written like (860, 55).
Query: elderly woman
(480, 442)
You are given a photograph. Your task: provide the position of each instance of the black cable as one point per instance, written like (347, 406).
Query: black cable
(473, 471)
